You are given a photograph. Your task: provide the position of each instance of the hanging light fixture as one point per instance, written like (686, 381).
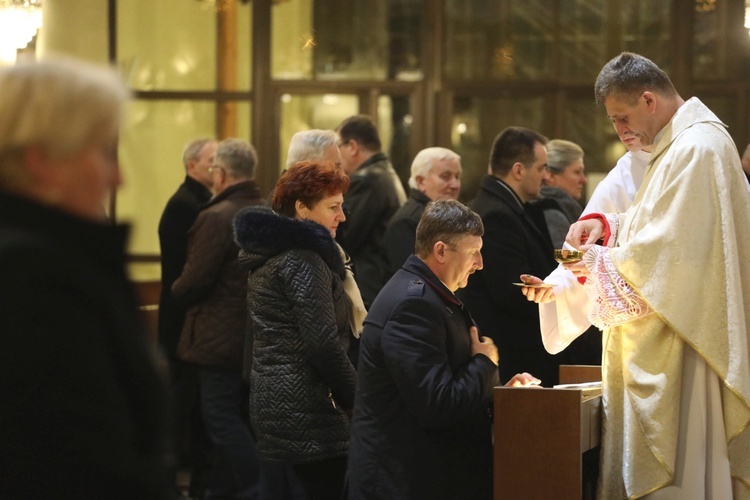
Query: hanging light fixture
(19, 22)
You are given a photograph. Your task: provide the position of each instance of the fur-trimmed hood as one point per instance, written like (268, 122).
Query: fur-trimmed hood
(262, 234)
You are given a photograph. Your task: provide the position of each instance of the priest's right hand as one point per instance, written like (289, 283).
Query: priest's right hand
(485, 346)
(585, 232)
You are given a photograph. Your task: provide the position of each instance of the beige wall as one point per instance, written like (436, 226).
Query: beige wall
(74, 27)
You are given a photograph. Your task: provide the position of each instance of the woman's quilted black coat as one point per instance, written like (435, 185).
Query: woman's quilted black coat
(301, 380)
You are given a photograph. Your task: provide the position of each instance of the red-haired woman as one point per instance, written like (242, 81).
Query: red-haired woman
(299, 306)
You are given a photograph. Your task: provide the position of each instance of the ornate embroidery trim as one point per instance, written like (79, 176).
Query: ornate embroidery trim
(614, 301)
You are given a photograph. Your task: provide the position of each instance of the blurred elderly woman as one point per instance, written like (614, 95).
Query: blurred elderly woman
(300, 300)
(435, 175)
(81, 401)
(562, 188)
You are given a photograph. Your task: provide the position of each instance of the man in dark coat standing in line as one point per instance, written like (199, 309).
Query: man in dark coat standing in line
(516, 242)
(179, 215)
(214, 287)
(374, 195)
(421, 427)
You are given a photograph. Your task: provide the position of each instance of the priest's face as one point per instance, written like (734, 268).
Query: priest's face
(634, 121)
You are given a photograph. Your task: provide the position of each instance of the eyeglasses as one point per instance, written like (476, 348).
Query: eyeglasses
(214, 167)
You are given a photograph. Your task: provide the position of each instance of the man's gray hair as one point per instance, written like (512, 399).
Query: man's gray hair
(447, 221)
(561, 153)
(627, 76)
(423, 162)
(310, 145)
(238, 157)
(192, 151)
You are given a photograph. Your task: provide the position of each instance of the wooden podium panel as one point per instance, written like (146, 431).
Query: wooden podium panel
(540, 436)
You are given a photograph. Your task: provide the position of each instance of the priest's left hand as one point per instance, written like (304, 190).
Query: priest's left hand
(578, 268)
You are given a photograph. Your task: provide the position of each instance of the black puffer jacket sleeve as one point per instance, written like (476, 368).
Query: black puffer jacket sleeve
(308, 282)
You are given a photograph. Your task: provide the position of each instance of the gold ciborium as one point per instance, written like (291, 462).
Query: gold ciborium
(565, 256)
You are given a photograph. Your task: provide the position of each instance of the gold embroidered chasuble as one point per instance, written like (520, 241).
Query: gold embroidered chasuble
(684, 247)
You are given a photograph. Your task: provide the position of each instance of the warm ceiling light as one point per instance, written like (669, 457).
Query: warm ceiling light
(19, 22)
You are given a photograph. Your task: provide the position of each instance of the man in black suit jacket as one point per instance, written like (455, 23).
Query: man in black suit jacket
(178, 217)
(516, 242)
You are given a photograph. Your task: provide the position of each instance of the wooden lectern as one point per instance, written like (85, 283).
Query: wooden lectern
(541, 435)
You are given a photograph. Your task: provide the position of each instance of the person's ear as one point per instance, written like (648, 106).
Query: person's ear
(419, 180)
(518, 170)
(36, 163)
(300, 209)
(650, 100)
(438, 250)
(44, 175)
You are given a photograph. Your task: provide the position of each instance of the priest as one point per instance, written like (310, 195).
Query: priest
(671, 288)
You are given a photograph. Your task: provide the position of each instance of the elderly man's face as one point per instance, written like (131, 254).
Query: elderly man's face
(443, 180)
(331, 153)
(200, 167)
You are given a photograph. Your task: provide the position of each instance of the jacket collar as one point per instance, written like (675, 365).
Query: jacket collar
(687, 115)
(101, 242)
(502, 190)
(415, 265)
(197, 189)
(247, 188)
(261, 233)
(419, 196)
(376, 158)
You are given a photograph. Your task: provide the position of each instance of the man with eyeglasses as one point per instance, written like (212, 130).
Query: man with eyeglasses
(374, 195)
(213, 287)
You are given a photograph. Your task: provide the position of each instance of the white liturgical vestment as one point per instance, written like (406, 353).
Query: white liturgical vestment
(564, 319)
(682, 362)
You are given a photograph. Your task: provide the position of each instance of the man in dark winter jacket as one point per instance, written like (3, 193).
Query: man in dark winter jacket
(213, 286)
(374, 195)
(421, 427)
